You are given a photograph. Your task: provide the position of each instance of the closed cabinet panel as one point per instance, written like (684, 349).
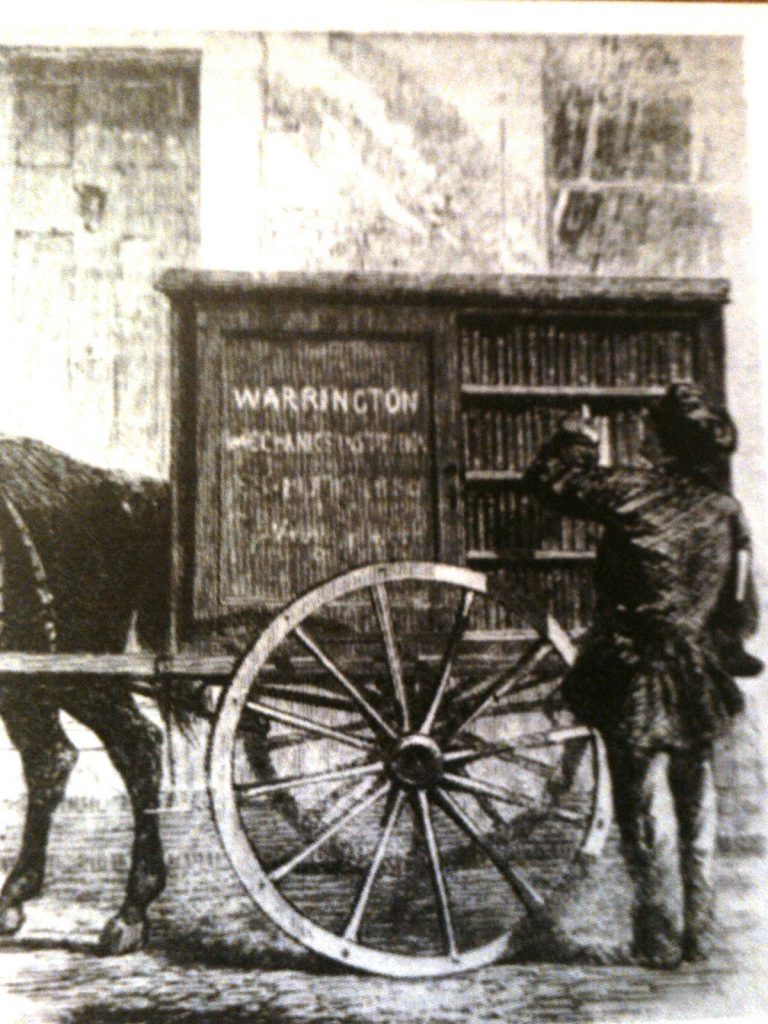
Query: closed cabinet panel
(324, 435)
(326, 460)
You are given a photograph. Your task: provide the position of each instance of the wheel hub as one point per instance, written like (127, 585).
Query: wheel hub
(417, 761)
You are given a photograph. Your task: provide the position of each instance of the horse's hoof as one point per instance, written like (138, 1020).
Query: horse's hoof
(11, 919)
(119, 937)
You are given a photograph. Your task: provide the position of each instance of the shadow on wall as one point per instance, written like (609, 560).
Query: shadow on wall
(105, 1014)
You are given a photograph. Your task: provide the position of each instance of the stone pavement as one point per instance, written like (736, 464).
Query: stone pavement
(213, 958)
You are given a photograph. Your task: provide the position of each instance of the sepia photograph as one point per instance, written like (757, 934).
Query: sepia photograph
(383, 554)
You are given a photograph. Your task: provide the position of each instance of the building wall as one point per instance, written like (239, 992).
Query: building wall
(100, 170)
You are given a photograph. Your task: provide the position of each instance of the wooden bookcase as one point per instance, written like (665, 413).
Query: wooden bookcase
(485, 367)
(522, 370)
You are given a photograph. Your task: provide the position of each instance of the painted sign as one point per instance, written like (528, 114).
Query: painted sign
(326, 461)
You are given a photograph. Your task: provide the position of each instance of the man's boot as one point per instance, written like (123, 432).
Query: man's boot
(699, 939)
(656, 939)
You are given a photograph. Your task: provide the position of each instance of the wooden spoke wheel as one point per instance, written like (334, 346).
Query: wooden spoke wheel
(436, 791)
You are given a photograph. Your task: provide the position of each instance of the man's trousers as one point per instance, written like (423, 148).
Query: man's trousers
(665, 804)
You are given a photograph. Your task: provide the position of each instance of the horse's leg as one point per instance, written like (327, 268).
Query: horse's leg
(134, 746)
(47, 758)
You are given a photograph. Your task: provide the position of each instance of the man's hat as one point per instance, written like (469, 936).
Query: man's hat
(689, 428)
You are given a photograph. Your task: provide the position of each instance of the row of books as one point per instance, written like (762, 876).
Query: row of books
(566, 591)
(550, 353)
(507, 521)
(572, 595)
(507, 438)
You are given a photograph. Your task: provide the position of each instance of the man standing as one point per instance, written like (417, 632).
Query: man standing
(655, 677)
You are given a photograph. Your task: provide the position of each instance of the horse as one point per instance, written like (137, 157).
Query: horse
(85, 564)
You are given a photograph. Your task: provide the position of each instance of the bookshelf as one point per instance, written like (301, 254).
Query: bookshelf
(494, 360)
(520, 373)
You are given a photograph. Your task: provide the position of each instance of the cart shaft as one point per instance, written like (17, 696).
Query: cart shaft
(117, 666)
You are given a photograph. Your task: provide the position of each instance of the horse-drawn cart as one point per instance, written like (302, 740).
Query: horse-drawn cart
(392, 789)
(390, 770)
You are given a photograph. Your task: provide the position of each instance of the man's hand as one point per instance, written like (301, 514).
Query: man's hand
(581, 426)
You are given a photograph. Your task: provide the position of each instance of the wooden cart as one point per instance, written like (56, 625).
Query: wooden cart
(394, 790)
(390, 770)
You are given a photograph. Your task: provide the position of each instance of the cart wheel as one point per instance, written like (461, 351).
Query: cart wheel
(441, 790)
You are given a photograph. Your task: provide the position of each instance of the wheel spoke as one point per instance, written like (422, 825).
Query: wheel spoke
(531, 764)
(438, 878)
(535, 739)
(519, 884)
(482, 788)
(295, 739)
(360, 699)
(353, 925)
(302, 693)
(492, 811)
(506, 683)
(460, 624)
(253, 790)
(504, 707)
(381, 604)
(289, 718)
(479, 787)
(483, 686)
(540, 768)
(357, 809)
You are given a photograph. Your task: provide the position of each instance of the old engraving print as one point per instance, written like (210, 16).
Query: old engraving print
(382, 546)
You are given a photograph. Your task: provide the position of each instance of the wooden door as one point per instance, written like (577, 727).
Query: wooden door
(104, 192)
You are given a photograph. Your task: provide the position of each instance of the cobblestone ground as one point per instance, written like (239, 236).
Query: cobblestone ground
(214, 958)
